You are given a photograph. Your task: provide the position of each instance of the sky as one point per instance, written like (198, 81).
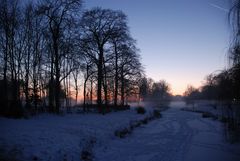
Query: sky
(180, 41)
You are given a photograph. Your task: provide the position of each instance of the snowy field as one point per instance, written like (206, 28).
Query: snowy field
(177, 136)
(52, 138)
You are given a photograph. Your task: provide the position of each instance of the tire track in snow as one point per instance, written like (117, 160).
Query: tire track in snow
(165, 139)
(174, 137)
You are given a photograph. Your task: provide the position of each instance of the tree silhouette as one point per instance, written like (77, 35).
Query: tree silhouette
(105, 40)
(234, 19)
(59, 16)
(46, 47)
(11, 54)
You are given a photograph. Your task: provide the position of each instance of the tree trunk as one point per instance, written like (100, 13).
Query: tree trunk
(84, 95)
(122, 88)
(91, 92)
(35, 95)
(105, 89)
(27, 76)
(5, 82)
(84, 88)
(100, 78)
(76, 86)
(57, 85)
(116, 76)
(50, 86)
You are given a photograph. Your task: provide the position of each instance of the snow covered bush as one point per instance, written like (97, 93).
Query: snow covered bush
(140, 110)
(123, 132)
(206, 114)
(87, 151)
(157, 114)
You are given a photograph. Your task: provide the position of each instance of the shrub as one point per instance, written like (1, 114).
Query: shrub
(141, 110)
(15, 110)
(157, 114)
(223, 119)
(86, 155)
(87, 151)
(144, 121)
(136, 124)
(206, 114)
(233, 130)
(209, 115)
(123, 132)
(120, 107)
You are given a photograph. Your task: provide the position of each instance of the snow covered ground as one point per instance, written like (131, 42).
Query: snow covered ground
(52, 138)
(177, 136)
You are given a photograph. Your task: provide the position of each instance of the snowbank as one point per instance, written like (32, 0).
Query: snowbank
(53, 138)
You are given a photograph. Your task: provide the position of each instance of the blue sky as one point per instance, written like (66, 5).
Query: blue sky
(180, 41)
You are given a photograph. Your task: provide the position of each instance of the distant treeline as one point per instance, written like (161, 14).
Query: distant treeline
(156, 92)
(51, 49)
(222, 86)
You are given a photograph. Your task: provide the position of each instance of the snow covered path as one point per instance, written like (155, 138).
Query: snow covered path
(178, 136)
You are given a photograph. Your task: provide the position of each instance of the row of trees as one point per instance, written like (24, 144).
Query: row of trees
(48, 48)
(156, 92)
(221, 86)
(112, 52)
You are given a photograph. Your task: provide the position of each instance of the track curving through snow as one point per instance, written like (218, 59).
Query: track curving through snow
(177, 136)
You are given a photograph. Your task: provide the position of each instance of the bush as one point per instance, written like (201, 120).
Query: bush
(209, 115)
(86, 155)
(87, 151)
(232, 130)
(123, 132)
(141, 110)
(206, 114)
(223, 119)
(15, 110)
(157, 114)
(120, 107)
(144, 121)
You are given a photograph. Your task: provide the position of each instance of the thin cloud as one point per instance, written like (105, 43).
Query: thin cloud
(218, 7)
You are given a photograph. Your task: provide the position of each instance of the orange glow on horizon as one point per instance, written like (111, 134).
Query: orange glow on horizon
(179, 89)
(178, 85)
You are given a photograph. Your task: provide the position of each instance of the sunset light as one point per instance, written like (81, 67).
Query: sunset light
(119, 80)
(178, 43)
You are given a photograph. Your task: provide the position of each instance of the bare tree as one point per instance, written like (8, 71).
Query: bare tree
(12, 55)
(29, 47)
(98, 27)
(44, 46)
(191, 95)
(130, 69)
(234, 19)
(59, 15)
